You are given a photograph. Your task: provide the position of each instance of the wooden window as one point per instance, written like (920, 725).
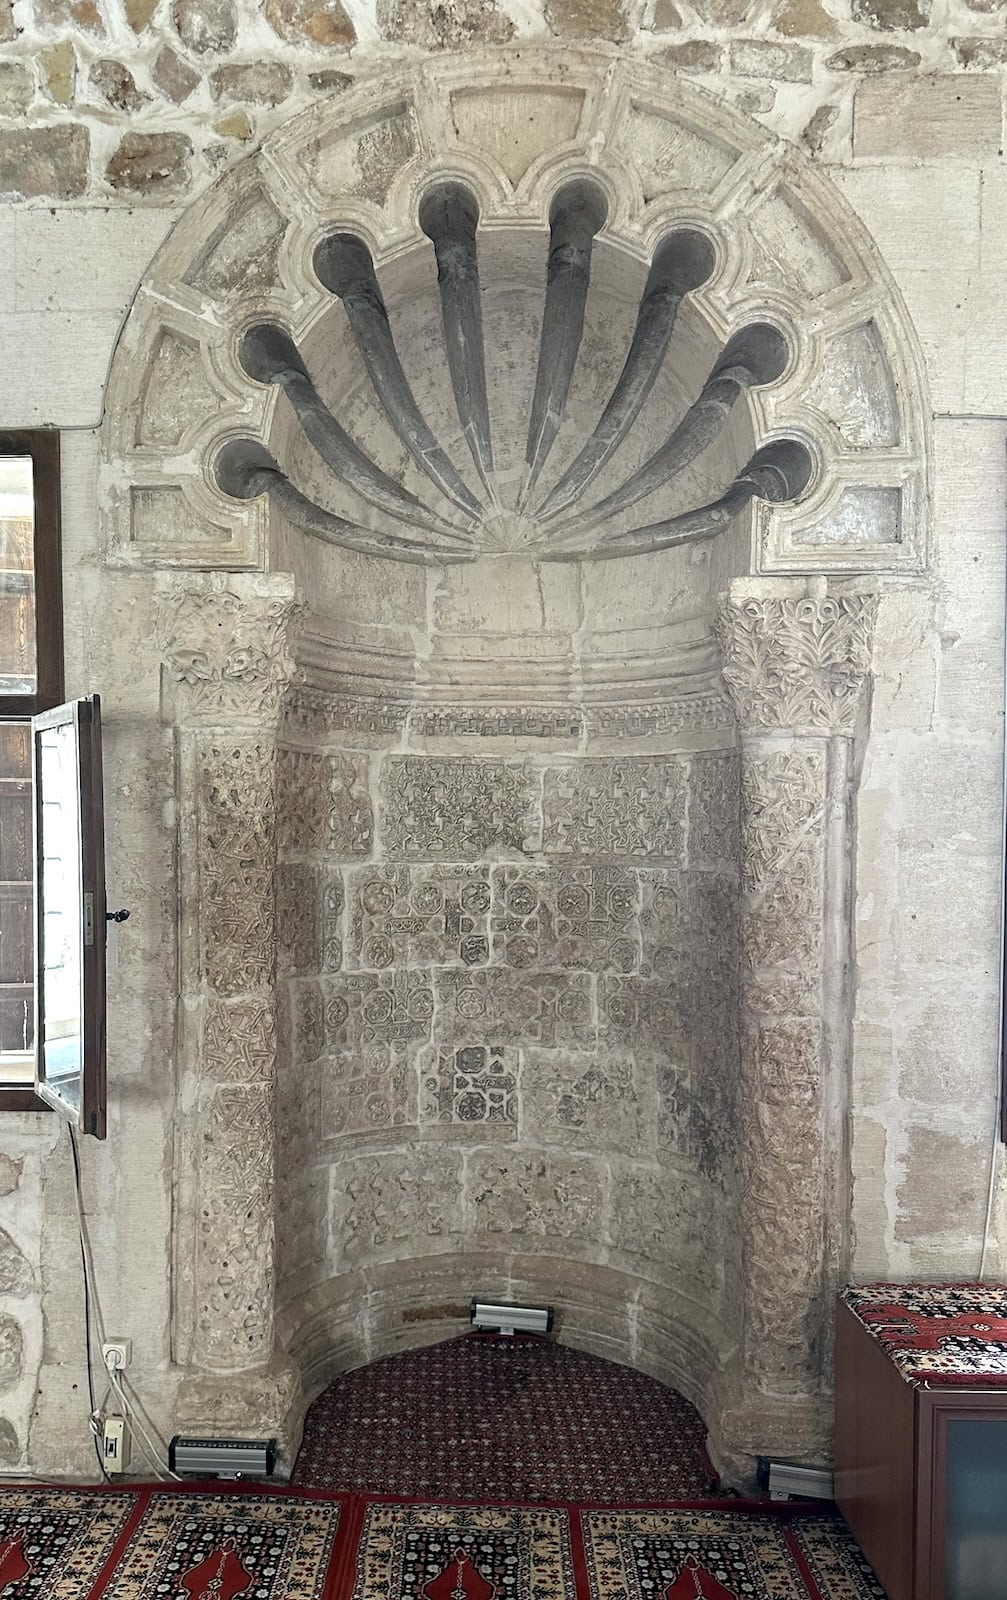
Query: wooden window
(31, 680)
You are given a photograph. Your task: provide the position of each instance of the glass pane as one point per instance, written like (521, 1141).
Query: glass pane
(17, 880)
(17, 576)
(976, 1501)
(62, 953)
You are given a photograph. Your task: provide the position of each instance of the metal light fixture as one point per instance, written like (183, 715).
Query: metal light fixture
(511, 1319)
(223, 1458)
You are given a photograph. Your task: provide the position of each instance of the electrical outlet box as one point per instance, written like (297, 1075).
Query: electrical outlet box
(115, 1445)
(116, 1353)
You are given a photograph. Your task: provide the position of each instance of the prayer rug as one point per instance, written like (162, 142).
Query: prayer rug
(719, 1553)
(482, 1418)
(214, 1545)
(938, 1333)
(54, 1543)
(439, 1552)
(248, 1542)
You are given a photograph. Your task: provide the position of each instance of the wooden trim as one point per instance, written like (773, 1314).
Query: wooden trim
(43, 447)
(88, 1114)
(21, 1100)
(875, 1453)
(939, 1407)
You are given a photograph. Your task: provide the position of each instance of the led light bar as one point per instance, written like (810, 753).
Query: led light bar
(511, 1319)
(225, 1458)
(806, 1483)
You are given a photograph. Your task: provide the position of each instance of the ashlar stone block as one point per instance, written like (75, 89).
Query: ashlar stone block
(522, 1008)
(382, 1203)
(615, 808)
(582, 1101)
(406, 916)
(458, 808)
(471, 1091)
(368, 1093)
(576, 918)
(903, 115)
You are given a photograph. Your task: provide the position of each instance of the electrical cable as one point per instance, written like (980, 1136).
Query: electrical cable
(92, 1315)
(93, 1415)
(998, 1131)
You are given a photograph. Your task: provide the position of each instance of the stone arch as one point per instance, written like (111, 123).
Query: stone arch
(514, 130)
(499, 826)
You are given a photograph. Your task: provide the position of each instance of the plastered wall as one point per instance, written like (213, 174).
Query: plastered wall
(916, 147)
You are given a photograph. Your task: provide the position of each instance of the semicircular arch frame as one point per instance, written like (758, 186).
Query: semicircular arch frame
(514, 125)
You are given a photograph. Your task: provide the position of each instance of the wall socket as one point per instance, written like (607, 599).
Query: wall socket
(116, 1353)
(115, 1445)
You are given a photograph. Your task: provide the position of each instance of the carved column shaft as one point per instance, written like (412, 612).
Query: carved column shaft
(227, 664)
(796, 666)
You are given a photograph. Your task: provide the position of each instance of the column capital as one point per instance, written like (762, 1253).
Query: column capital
(227, 648)
(796, 654)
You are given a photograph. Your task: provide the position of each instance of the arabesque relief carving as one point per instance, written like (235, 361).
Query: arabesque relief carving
(800, 663)
(229, 653)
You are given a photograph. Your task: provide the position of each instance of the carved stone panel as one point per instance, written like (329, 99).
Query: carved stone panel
(307, 1017)
(239, 1042)
(577, 918)
(662, 1219)
(522, 1008)
(443, 806)
(384, 1204)
(234, 1247)
(611, 809)
(297, 919)
(588, 1102)
(411, 916)
(781, 1116)
(634, 1012)
(783, 801)
(229, 652)
(236, 863)
(714, 810)
(324, 804)
(377, 1008)
(368, 1092)
(527, 1201)
(471, 1090)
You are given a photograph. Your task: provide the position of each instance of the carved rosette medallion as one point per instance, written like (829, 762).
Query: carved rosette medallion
(799, 663)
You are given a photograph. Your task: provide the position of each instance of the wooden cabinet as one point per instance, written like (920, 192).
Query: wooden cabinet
(920, 1474)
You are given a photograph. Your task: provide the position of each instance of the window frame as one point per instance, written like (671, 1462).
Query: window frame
(42, 445)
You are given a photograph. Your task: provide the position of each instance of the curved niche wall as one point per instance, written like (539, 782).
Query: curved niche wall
(513, 370)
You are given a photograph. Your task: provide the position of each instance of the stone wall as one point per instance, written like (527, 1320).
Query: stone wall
(901, 111)
(145, 99)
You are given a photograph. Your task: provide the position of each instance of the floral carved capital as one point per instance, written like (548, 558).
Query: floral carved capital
(228, 655)
(797, 662)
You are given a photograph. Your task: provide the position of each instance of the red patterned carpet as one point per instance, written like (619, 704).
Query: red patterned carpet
(212, 1543)
(488, 1419)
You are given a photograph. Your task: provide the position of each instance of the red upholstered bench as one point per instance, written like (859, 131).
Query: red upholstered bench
(921, 1435)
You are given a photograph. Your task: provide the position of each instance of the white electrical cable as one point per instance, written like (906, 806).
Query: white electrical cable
(1001, 1061)
(131, 1412)
(92, 1306)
